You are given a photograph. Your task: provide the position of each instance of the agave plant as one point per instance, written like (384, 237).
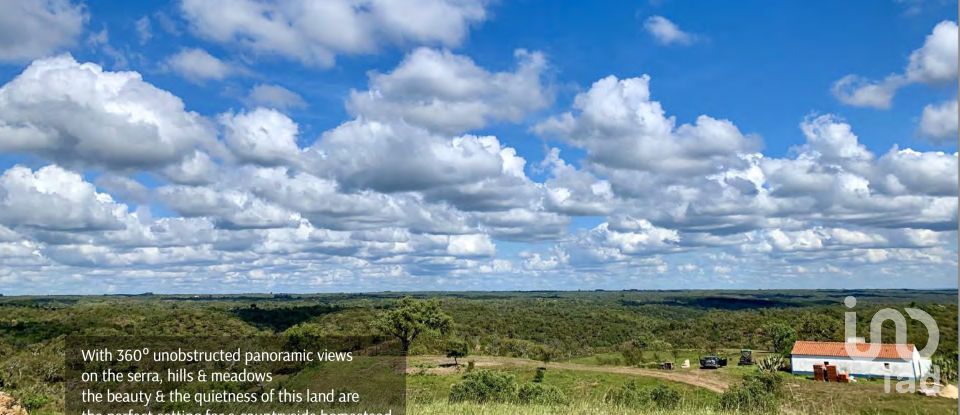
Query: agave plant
(771, 363)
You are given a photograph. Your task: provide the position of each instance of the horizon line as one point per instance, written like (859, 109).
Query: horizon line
(316, 293)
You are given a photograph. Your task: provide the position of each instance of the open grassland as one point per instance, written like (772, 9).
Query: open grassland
(807, 396)
(581, 338)
(429, 385)
(577, 408)
(587, 385)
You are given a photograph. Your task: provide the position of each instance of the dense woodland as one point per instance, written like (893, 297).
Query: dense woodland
(538, 325)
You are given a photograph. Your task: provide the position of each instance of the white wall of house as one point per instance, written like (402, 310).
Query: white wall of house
(925, 365)
(903, 369)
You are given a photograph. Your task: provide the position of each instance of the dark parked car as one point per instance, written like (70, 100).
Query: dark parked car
(710, 362)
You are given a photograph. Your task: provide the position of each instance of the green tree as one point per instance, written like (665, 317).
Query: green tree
(305, 336)
(545, 354)
(781, 337)
(457, 349)
(632, 355)
(411, 318)
(633, 350)
(820, 327)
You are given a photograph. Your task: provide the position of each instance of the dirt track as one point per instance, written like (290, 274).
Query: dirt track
(704, 379)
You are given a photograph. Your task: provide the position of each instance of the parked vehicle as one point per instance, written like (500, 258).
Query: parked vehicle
(710, 362)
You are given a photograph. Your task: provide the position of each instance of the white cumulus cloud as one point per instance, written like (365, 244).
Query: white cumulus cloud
(263, 136)
(79, 113)
(621, 127)
(940, 121)
(197, 65)
(314, 33)
(274, 96)
(934, 63)
(32, 29)
(667, 32)
(449, 93)
(57, 199)
(470, 245)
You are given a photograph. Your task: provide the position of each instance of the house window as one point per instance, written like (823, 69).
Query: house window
(886, 366)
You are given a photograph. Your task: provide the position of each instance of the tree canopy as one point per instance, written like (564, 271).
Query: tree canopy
(411, 318)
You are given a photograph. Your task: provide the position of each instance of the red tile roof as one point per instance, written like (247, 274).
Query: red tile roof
(839, 349)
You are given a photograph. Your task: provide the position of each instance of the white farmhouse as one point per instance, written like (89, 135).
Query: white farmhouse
(889, 362)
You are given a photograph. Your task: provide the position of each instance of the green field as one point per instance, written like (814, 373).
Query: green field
(592, 344)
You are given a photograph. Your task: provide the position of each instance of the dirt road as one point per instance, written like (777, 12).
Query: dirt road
(701, 378)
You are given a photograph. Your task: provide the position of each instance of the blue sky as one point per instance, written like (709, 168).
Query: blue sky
(272, 146)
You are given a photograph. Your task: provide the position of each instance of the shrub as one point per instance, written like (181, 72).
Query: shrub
(630, 395)
(540, 394)
(664, 396)
(538, 377)
(632, 355)
(758, 393)
(633, 395)
(32, 400)
(948, 367)
(545, 354)
(769, 381)
(609, 360)
(516, 348)
(484, 386)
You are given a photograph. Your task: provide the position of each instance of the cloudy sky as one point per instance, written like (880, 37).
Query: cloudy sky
(369, 145)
